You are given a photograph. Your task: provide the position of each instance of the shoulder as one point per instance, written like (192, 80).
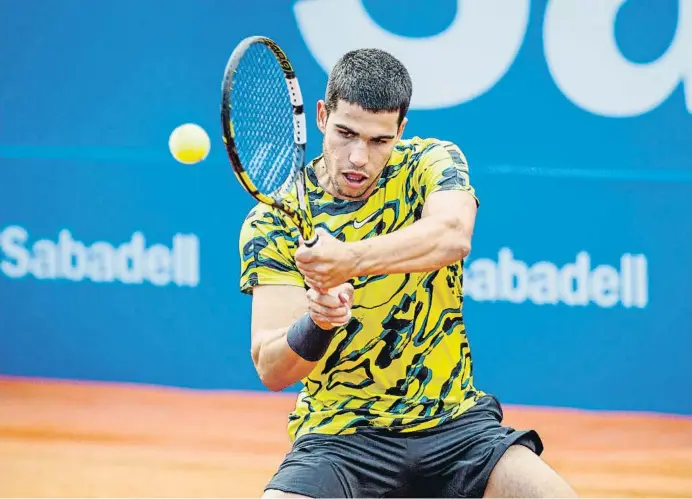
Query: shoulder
(264, 222)
(267, 248)
(425, 150)
(262, 215)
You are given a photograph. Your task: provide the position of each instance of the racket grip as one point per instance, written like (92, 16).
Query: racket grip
(311, 242)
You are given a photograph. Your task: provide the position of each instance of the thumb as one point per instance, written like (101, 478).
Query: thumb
(344, 298)
(321, 233)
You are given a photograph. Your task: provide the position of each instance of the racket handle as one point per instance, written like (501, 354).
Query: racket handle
(311, 242)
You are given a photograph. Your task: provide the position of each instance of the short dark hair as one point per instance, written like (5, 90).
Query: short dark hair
(371, 78)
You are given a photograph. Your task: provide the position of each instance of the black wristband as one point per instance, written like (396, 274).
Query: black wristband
(309, 340)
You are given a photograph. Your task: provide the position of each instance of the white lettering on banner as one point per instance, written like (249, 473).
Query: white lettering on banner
(588, 67)
(575, 284)
(472, 54)
(481, 43)
(130, 263)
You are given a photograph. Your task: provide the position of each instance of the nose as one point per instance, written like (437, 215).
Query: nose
(359, 154)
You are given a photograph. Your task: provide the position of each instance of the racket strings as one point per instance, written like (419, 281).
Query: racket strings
(262, 110)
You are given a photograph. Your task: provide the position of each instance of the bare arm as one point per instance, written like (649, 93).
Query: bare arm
(441, 237)
(274, 310)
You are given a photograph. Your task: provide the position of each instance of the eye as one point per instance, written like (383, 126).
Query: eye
(380, 141)
(345, 134)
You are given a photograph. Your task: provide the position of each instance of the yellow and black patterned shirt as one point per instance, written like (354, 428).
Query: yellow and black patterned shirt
(403, 361)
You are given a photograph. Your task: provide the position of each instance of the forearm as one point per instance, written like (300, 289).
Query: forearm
(429, 244)
(277, 364)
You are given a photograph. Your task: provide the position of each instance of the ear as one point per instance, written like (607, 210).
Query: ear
(401, 128)
(322, 116)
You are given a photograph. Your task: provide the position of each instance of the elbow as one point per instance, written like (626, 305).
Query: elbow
(267, 375)
(457, 240)
(269, 378)
(459, 249)
(272, 383)
(463, 247)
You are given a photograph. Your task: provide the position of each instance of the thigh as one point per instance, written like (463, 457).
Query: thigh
(521, 473)
(460, 456)
(272, 493)
(364, 464)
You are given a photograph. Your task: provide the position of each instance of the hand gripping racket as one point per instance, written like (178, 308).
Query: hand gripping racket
(264, 129)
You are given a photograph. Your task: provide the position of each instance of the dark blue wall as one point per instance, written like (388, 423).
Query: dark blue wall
(580, 149)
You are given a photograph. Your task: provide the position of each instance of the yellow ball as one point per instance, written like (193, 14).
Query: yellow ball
(189, 143)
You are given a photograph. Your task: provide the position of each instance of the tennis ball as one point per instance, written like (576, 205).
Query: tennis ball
(189, 143)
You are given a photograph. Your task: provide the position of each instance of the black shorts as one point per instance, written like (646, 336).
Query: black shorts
(451, 460)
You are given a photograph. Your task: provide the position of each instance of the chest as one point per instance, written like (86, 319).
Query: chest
(385, 211)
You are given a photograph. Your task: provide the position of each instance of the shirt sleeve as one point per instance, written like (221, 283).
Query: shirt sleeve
(443, 167)
(267, 249)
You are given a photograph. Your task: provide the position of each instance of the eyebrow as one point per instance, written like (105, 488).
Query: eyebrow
(379, 137)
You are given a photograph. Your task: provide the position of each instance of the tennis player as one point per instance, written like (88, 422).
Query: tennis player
(370, 318)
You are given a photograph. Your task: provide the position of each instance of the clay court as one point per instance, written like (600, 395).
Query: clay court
(76, 439)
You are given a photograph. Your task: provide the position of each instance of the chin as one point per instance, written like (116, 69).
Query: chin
(347, 193)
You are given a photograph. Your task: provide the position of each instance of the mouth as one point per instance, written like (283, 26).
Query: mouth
(354, 179)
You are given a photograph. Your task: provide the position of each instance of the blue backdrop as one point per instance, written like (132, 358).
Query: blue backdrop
(117, 263)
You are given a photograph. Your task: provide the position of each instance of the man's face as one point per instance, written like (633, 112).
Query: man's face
(356, 147)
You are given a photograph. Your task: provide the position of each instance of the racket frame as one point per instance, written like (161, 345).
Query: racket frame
(302, 218)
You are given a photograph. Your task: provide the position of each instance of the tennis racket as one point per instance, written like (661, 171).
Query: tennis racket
(264, 129)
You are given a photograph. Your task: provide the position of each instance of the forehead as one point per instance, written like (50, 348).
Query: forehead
(365, 122)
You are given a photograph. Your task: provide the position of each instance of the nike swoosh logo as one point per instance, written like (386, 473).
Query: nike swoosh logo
(358, 224)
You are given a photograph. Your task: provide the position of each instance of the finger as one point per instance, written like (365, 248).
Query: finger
(330, 313)
(327, 300)
(311, 266)
(346, 300)
(317, 269)
(347, 288)
(305, 270)
(322, 321)
(341, 321)
(304, 254)
(315, 285)
(313, 293)
(330, 283)
(331, 321)
(312, 285)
